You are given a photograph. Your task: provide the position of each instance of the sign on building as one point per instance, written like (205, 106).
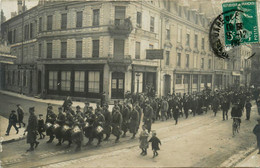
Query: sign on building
(154, 54)
(240, 22)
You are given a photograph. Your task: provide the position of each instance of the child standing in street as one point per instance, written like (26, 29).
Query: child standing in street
(155, 144)
(41, 127)
(144, 141)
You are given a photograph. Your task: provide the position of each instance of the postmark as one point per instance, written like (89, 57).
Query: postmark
(236, 25)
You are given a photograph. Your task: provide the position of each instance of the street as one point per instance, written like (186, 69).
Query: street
(200, 141)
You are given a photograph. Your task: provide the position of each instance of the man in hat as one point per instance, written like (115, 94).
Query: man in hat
(125, 114)
(67, 103)
(61, 117)
(78, 112)
(107, 124)
(41, 128)
(248, 109)
(148, 114)
(50, 118)
(32, 130)
(85, 109)
(12, 122)
(116, 124)
(256, 131)
(20, 113)
(134, 122)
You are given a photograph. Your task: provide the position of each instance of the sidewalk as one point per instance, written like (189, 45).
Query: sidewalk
(12, 135)
(51, 101)
(252, 160)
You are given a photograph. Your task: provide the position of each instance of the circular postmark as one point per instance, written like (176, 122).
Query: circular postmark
(216, 34)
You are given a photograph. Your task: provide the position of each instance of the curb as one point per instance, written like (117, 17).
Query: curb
(237, 158)
(13, 140)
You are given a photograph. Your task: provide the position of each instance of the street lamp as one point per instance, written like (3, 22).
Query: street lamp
(137, 77)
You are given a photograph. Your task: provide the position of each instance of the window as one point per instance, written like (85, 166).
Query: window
(93, 81)
(10, 37)
(187, 60)
(151, 24)
(53, 76)
(195, 79)
(209, 65)
(31, 30)
(137, 50)
(64, 21)
(139, 20)
(119, 15)
(196, 41)
(179, 34)
(63, 50)
(178, 79)
(19, 78)
(14, 36)
(168, 35)
(95, 17)
(196, 19)
(95, 48)
(188, 15)
(179, 59)
(79, 49)
(167, 62)
(79, 81)
(150, 46)
(49, 50)
(49, 22)
(65, 80)
(186, 79)
(79, 19)
(180, 11)
(202, 63)
(187, 39)
(40, 51)
(26, 32)
(24, 78)
(202, 44)
(13, 78)
(40, 24)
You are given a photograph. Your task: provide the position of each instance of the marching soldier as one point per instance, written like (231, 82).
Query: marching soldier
(134, 122)
(125, 115)
(32, 130)
(148, 114)
(67, 103)
(50, 118)
(20, 113)
(116, 124)
(78, 112)
(107, 126)
(86, 108)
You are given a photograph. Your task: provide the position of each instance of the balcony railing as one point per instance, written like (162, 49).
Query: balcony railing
(120, 27)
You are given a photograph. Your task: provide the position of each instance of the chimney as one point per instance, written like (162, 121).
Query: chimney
(20, 6)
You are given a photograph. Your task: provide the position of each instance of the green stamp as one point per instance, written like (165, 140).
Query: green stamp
(240, 25)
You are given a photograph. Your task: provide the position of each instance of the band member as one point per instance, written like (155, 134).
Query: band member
(86, 108)
(20, 113)
(67, 103)
(61, 119)
(116, 124)
(107, 125)
(32, 130)
(134, 122)
(50, 118)
(12, 122)
(41, 128)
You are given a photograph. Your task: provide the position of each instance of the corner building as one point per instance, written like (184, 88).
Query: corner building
(85, 48)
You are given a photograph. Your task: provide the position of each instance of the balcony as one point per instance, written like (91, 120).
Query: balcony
(117, 63)
(120, 27)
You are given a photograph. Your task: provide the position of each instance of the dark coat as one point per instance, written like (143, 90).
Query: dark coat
(32, 128)
(50, 117)
(256, 131)
(41, 127)
(13, 118)
(116, 123)
(20, 113)
(155, 143)
(134, 121)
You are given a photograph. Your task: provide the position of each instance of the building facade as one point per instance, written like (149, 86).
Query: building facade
(83, 49)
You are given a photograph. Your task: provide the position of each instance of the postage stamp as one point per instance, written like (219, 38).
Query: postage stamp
(240, 24)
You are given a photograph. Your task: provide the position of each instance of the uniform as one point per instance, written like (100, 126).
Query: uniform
(148, 114)
(107, 125)
(116, 124)
(134, 122)
(12, 122)
(32, 130)
(20, 113)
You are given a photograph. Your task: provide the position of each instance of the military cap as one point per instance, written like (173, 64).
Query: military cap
(13, 111)
(18, 105)
(31, 108)
(78, 107)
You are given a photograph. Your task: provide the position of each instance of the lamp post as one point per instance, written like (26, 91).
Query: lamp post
(137, 78)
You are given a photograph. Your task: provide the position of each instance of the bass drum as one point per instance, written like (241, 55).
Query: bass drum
(99, 129)
(76, 134)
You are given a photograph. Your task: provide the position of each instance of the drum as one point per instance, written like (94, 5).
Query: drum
(64, 129)
(76, 129)
(55, 126)
(190, 111)
(48, 125)
(99, 129)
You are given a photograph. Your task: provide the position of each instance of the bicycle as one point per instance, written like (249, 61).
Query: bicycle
(235, 125)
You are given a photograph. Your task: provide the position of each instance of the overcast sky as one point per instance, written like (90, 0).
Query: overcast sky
(9, 6)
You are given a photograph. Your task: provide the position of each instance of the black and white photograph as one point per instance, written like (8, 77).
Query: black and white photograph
(129, 83)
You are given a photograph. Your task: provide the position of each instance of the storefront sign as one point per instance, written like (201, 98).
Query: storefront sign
(154, 54)
(26, 66)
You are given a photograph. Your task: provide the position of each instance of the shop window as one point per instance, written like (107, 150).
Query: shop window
(139, 82)
(53, 80)
(79, 49)
(65, 80)
(186, 79)
(202, 43)
(79, 81)
(195, 79)
(178, 79)
(202, 63)
(93, 82)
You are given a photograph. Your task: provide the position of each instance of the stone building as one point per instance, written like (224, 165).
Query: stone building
(85, 48)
